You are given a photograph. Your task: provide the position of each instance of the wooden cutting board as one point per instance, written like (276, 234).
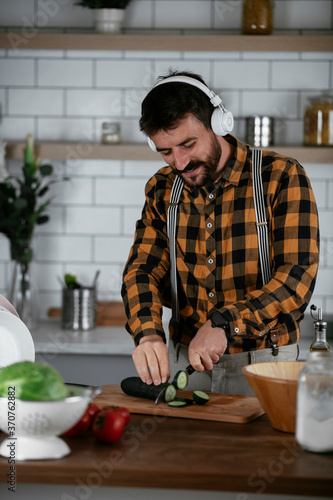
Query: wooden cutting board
(107, 313)
(220, 408)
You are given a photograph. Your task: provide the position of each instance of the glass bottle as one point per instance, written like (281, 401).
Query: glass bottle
(257, 17)
(319, 343)
(318, 121)
(111, 133)
(314, 410)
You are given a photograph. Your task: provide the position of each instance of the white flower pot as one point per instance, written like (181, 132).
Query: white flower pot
(109, 20)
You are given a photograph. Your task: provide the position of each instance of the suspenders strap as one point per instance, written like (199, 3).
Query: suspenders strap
(171, 230)
(259, 207)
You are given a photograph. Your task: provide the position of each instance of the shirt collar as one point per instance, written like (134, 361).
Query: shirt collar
(234, 167)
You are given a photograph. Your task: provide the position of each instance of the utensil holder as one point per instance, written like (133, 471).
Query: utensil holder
(79, 308)
(260, 131)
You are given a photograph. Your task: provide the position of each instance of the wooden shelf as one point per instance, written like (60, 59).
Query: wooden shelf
(169, 42)
(141, 152)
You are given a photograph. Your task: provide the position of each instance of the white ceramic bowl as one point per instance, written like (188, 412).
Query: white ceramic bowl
(33, 426)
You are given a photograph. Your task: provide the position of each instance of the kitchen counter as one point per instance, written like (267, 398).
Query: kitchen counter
(49, 338)
(103, 355)
(179, 454)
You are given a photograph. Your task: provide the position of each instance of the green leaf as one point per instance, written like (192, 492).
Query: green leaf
(43, 191)
(71, 282)
(42, 219)
(46, 170)
(20, 204)
(29, 171)
(29, 154)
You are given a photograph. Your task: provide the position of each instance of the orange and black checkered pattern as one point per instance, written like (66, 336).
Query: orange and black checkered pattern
(217, 253)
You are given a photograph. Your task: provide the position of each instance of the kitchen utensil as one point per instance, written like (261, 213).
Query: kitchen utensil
(34, 425)
(16, 343)
(108, 313)
(275, 385)
(79, 308)
(94, 283)
(160, 397)
(220, 408)
(61, 282)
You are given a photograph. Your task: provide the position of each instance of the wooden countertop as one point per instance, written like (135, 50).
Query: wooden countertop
(168, 452)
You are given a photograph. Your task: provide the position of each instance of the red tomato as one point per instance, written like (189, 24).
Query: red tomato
(120, 409)
(108, 426)
(93, 409)
(81, 427)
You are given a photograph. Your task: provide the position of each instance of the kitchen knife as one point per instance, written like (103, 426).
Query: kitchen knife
(188, 371)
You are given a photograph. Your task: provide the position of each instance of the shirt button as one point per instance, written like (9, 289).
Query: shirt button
(209, 225)
(236, 329)
(211, 294)
(210, 261)
(210, 196)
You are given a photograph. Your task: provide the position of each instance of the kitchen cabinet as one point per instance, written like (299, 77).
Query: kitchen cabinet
(177, 455)
(141, 152)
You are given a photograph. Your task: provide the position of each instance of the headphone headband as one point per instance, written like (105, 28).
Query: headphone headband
(222, 121)
(214, 98)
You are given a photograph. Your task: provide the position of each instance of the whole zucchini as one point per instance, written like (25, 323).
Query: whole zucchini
(133, 386)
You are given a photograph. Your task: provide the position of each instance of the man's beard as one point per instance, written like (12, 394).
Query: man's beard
(209, 167)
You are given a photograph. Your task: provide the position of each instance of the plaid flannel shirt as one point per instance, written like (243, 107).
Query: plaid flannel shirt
(218, 265)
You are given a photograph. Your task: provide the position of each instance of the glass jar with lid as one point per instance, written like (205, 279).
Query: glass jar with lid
(314, 414)
(111, 133)
(257, 17)
(318, 121)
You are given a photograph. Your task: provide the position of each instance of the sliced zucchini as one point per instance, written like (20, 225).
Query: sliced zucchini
(188, 401)
(180, 380)
(170, 393)
(177, 404)
(200, 397)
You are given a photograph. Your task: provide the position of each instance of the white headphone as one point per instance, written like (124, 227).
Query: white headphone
(222, 120)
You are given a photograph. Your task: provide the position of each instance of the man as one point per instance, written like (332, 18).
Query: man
(228, 316)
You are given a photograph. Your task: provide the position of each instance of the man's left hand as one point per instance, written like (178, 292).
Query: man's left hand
(207, 347)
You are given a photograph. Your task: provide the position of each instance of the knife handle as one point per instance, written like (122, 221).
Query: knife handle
(189, 370)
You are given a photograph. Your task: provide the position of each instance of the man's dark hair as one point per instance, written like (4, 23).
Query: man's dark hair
(165, 105)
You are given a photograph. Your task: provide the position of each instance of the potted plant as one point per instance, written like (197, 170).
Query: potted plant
(22, 208)
(109, 14)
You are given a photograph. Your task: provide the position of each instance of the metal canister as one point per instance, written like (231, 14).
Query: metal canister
(260, 131)
(79, 308)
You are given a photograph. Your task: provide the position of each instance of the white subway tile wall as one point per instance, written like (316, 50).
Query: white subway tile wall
(65, 95)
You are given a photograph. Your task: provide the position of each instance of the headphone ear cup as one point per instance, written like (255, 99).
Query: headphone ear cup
(222, 122)
(152, 145)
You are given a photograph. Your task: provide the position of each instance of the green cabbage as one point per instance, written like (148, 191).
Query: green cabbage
(32, 382)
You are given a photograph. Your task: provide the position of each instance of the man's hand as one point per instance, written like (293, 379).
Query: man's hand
(151, 359)
(207, 347)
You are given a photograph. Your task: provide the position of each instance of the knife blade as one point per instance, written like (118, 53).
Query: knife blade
(160, 396)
